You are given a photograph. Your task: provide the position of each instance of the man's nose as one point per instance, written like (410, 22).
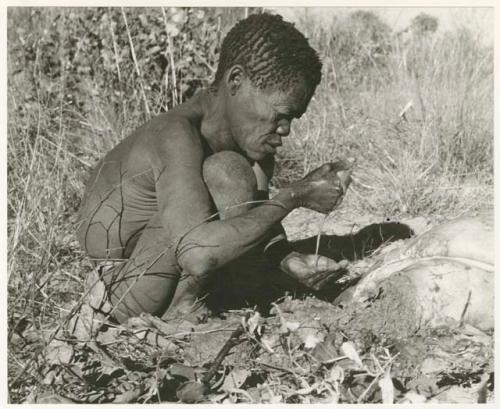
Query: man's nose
(283, 128)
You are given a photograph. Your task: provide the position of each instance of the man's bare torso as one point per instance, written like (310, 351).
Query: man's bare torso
(121, 195)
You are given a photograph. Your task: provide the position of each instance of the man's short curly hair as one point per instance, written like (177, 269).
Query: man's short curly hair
(272, 52)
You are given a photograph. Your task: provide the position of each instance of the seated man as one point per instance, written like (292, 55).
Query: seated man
(150, 203)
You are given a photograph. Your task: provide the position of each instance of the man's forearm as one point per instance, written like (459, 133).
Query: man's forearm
(216, 243)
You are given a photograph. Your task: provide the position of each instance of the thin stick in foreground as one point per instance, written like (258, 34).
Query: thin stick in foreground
(230, 343)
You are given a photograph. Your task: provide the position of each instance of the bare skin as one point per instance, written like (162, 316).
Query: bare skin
(148, 205)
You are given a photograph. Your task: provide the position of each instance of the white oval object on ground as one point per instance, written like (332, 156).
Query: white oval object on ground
(443, 275)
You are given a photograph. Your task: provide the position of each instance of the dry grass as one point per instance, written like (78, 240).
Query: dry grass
(437, 158)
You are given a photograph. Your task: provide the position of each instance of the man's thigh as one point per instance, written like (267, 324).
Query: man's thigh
(146, 281)
(108, 228)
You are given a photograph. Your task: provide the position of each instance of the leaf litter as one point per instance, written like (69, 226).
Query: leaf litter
(306, 351)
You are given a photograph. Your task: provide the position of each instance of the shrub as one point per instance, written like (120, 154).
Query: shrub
(424, 23)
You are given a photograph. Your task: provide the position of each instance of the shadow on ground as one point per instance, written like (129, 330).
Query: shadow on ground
(261, 283)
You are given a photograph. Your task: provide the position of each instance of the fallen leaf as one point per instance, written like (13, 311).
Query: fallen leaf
(110, 369)
(288, 326)
(21, 325)
(325, 351)
(336, 374)
(51, 398)
(350, 352)
(269, 341)
(424, 385)
(254, 394)
(311, 334)
(276, 399)
(413, 397)
(49, 377)
(155, 339)
(182, 371)
(432, 364)
(134, 323)
(307, 390)
(97, 296)
(59, 352)
(172, 30)
(235, 379)
(191, 392)
(311, 340)
(108, 336)
(253, 322)
(285, 326)
(455, 394)
(128, 396)
(267, 395)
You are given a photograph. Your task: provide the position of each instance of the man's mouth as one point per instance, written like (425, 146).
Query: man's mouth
(272, 148)
(273, 145)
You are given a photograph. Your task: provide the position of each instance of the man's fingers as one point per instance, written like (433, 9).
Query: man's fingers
(343, 264)
(326, 270)
(321, 263)
(295, 265)
(313, 271)
(319, 280)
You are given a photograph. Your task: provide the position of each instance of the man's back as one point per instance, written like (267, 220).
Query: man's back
(121, 192)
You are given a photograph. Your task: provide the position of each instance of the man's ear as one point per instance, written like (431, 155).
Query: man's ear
(234, 78)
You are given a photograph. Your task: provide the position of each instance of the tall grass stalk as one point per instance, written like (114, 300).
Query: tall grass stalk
(170, 53)
(136, 65)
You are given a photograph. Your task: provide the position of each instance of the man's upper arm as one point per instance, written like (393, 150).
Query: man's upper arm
(177, 158)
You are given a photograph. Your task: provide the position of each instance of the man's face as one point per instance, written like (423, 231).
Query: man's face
(259, 119)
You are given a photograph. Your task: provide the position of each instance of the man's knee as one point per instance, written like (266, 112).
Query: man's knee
(230, 181)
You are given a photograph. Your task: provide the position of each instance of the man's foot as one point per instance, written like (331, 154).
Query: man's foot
(193, 310)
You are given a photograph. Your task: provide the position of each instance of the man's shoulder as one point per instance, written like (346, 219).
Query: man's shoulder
(167, 139)
(169, 126)
(178, 126)
(162, 132)
(157, 140)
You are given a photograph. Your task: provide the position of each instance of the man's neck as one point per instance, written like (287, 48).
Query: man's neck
(215, 127)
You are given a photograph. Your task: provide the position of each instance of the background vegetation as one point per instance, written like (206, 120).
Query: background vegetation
(414, 108)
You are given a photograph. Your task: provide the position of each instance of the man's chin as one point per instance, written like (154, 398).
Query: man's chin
(256, 156)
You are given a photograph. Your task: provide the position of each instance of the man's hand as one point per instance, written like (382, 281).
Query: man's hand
(323, 188)
(311, 270)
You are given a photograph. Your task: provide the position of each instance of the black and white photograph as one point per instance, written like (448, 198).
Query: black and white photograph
(257, 205)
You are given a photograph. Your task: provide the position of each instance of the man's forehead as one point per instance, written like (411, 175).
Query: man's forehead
(294, 100)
